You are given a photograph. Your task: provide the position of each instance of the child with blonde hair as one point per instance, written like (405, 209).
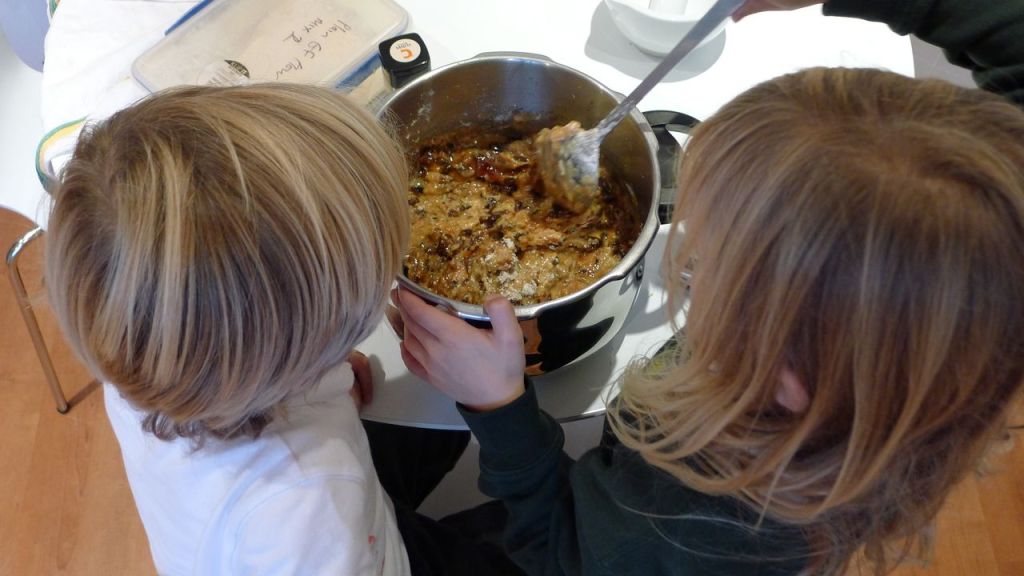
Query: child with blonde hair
(854, 333)
(213, 255)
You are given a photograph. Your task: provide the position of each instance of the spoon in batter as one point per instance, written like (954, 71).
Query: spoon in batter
(567, 156)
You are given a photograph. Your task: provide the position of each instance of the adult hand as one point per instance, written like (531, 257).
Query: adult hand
(362, 385)
(755, 6)
(480, 369)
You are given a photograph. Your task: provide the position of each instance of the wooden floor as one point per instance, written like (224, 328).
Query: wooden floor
(65, 505)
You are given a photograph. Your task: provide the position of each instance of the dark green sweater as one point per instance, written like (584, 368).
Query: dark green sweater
(610, 513)
(986, 36)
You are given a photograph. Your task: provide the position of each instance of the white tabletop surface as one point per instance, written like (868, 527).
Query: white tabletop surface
(578, 33)
(582, 35)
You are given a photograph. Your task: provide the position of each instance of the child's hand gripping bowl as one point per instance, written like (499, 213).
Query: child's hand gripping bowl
(480, 369)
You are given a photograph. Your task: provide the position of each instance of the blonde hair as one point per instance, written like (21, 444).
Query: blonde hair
(212, 252)
(863, 230)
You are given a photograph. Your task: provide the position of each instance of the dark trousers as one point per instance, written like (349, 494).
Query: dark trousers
(410, 463)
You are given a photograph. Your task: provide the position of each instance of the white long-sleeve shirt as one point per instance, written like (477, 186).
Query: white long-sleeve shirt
(303, 498)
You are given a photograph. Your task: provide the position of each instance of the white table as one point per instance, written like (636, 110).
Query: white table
(578, 33)
(581, 34)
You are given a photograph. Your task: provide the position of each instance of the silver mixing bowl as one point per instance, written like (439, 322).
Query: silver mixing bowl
(488, 91)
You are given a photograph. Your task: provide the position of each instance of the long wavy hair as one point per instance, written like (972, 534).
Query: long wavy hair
(212, 252)
(866, 232)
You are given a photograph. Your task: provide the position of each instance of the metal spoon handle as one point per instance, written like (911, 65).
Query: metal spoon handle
(707, 23)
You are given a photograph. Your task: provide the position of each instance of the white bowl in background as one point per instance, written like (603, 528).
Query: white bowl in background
(656, 32)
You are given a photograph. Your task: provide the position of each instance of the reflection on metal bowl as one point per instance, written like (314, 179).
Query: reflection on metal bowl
(487, 92)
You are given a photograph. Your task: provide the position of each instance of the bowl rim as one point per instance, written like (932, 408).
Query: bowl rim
(629, 261)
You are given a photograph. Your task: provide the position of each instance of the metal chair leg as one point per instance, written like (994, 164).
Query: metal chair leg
(25, 305)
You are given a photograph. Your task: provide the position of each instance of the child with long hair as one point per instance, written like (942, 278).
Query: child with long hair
(854, 333)
(213, 255)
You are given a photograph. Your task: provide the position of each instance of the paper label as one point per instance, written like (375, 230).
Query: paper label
(224, 73)
(405, 50)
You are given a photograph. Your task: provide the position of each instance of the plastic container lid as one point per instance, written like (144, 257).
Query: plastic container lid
(233, 42)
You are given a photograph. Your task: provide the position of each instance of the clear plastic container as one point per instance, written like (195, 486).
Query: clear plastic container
(233, 42)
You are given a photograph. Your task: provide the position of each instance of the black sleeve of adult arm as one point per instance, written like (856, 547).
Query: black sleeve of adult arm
(985, 36)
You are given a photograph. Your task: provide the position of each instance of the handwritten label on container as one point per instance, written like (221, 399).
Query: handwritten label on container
(310, 42)
(303, 41)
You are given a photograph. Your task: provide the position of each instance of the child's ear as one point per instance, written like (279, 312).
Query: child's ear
(791, 393)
